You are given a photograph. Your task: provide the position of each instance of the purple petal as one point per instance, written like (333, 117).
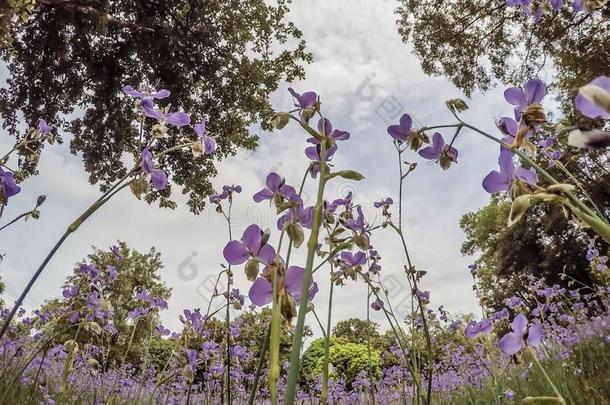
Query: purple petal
(534, 91)
(158, 178)
(511, 343)
(534, 336)
(163, 93)
(397, 133)
(308, 99)
(328, 128)
(209, 145)
(130, 91)
(340, 135)
(429, 153)
(264, 194)
(178, 119)
(235, 252)
(274, 181)
(266, 254)
(589, 108)
(519, 324)
(359, 258)
(406, 122)
(529, 176)
(312, 153)
(293, 280)
(508, 126)
(146, 163)
(43, 127)
(495, 182)
(7, 184)
(505, 161)
(470, 331)
(485, 326)
(514, 95)
(252, 238)
(261, 292)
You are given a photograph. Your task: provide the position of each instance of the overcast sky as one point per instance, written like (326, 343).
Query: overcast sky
(366, 78)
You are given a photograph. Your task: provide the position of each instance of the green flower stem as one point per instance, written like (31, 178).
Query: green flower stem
(559, 398)
(413, 278)
(312, 244)
(259, 365)
(274, 349)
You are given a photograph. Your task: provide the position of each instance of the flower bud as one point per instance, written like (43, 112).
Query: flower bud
(295, 233)
(159, 131)
(139, 186)
(280, 120)
(197, 149)
(40, 200)
(457, 105)
(251, 269)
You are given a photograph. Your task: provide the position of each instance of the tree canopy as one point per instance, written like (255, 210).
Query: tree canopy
(67, 62)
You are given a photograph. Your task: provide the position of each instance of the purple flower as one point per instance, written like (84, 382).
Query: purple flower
(532, 93)
(276, 188)
(521, 336)
(43, 127)
(473, 269)
(593, 100)
(331, 134)
(556, 4)
(353, 260)
(251, 245)
(510, 127)
(71, 292)
(191, 355)
(497, 181)
(209, 145)
(514, 302)
(138, 312)
(473, 329)
(261, 292)
(438, 147)
(384, 203)
(145, 94)
(305, 100)
(227, 191)
(158, 178)
(162, 330)
(313, 153)
(8, 187)
(178, 119)
(401, 131)
(499, 315)
(377, 304)
(297, 214)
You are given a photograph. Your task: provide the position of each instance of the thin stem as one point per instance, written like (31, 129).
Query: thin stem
(259, 365)
(324, 391)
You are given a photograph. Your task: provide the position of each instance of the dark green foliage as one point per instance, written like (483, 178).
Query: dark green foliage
(476, 43)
